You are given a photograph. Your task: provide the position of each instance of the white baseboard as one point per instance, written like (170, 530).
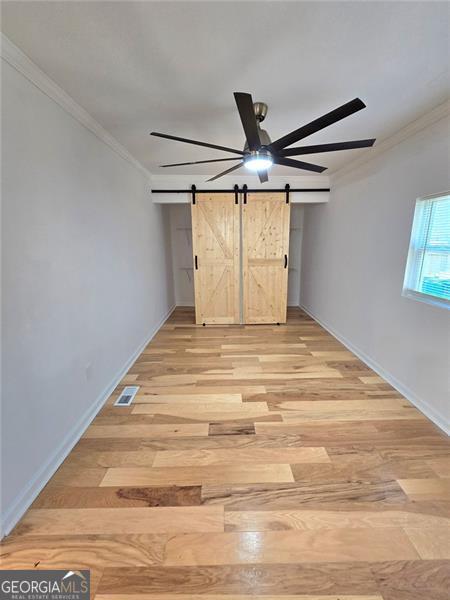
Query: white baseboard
(424, 407)
(14, 513)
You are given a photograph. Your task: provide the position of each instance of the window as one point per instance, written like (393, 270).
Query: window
(427, 276)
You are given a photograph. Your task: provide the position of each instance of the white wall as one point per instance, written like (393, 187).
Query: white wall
(86, 281)
(181, 240)
(354, 256)
(295, 253)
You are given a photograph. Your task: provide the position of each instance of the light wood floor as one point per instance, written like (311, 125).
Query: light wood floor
(256, 462)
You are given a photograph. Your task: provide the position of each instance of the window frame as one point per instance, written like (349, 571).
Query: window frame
(407, 291)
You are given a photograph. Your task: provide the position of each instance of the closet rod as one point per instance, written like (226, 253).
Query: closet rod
(232, 190)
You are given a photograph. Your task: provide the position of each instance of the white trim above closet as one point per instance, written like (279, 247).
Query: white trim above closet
(227, 183)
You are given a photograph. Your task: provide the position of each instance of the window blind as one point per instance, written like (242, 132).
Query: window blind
(428, 265)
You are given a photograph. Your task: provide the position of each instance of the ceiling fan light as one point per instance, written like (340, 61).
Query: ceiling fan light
(258, 161)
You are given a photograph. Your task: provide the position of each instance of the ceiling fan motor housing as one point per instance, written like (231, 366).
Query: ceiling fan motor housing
(264, 138)
(260, 111)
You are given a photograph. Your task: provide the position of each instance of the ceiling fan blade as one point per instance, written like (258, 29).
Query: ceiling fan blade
(195, 142)
(298, 164)
(244, 104)
(226, 172)
(263, 176)
(328, 147)
(199, 162)
(332, 117)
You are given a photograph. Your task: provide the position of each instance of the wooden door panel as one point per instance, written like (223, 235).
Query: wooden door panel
(265, 247)
(216, 244)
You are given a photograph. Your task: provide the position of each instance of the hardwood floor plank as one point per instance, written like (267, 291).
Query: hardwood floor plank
(187, 458)
(81, 551)
(270, 520)
(413, 580)
(440, 465)
(197, 475)
(290, 546)
(179, 408)
(151, 431)
(201, 399)
(317, 578)
(301, 425)
(236, 428)
(357, 471)
(136, 520)
(430, 542)
(341, 405)
(117, 497)
(413, 451)
(333, 354)
(293, 419)
(372, 379)
(310, 494)
(149, 389)
(303, 358)
(74, 476)
(133, 458)
(227, 418)
(429, 488)
(351, 414)
(262, 346)
(205, 413)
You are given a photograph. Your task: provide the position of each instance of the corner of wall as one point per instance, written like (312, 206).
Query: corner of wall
(439, 112)
(11, 54)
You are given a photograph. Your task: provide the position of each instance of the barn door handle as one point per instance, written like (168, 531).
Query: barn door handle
(285, 261)
(196, 262)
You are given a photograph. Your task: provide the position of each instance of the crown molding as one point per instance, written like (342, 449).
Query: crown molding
(11, 54)
(438, 113)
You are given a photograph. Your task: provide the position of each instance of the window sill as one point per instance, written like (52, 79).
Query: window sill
(426, 299)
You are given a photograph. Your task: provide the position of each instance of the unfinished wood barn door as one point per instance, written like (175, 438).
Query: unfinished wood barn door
(265, 248)
(216, 249)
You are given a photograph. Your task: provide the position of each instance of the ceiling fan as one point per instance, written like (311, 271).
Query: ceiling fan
(260, 153)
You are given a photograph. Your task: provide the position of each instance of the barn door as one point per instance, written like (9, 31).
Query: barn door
(265, 247)
(216, 248)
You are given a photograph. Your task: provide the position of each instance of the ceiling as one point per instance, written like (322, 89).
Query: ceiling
(173, 67)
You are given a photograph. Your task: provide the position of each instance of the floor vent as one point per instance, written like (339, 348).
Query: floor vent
(127, 396)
